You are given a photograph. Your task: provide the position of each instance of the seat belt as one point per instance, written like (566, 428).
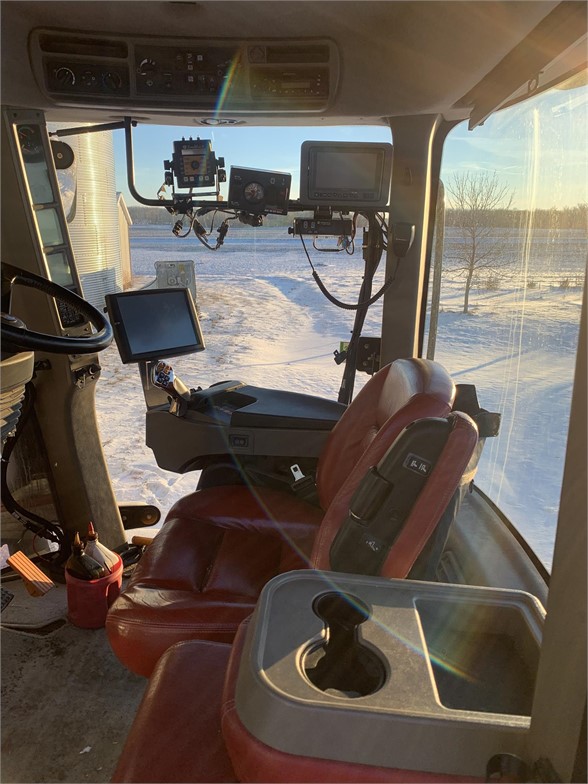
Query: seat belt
(304, 486)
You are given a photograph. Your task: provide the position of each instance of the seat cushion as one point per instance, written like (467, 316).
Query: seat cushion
(203, 572)
(176, 735)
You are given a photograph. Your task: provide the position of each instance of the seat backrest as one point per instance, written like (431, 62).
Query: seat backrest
(401, 513)
(400, 393)
(450, 473)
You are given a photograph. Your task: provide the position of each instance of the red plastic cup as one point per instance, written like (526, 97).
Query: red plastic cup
(88, 600)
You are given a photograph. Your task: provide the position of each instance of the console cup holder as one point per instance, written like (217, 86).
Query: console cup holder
(341, 664)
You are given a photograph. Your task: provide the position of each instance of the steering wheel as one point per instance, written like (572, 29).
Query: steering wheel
(15, 338)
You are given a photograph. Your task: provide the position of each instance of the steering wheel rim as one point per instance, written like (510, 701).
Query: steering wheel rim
(16, 338)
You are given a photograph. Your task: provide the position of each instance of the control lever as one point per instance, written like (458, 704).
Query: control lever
(163, 377)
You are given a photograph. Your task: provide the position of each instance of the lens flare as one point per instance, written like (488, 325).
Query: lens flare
(225, 89)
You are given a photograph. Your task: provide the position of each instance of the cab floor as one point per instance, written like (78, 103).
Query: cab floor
(67, 705)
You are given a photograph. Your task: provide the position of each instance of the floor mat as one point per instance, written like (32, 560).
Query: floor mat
(33, 612)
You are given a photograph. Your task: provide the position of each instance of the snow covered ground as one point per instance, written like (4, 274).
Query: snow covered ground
(266, 323)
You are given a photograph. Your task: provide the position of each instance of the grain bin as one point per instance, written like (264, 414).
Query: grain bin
(94, 223)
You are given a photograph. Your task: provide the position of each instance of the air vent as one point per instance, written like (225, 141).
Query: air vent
(71, 44)
(311, 53)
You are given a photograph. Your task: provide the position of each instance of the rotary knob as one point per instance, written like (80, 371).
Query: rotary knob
(111, 80)
(65, 77)
(147, 67)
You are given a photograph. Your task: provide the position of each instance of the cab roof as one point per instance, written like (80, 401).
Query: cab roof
(456, 59)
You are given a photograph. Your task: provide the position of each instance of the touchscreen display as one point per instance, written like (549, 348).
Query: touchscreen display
(155, 324)
(348, 170)
(345, 174)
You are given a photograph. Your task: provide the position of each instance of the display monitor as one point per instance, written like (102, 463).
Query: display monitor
(352, 175)
(154, 324)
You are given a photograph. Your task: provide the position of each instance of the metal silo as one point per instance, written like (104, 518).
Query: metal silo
(94, 230)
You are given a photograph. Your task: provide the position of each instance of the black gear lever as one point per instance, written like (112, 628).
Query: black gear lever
(342, 664)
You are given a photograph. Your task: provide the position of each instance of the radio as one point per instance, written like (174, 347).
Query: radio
(285, 82)
(326, 227)
(259, 192)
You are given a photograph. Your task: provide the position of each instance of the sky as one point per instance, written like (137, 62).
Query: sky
(538, 149)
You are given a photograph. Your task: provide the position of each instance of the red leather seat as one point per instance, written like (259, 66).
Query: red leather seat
(218, 546)
(176, 735)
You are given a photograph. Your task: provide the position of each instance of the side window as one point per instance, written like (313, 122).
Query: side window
(506, 288)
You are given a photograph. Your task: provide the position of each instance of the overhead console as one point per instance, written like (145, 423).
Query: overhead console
(292, 75)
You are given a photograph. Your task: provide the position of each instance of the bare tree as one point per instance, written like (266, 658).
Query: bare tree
(472, 199)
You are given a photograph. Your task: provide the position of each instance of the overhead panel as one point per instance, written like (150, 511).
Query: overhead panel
(220, 75)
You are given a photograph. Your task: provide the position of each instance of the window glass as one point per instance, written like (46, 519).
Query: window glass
(264, 319)
(59, 269)
(48, 222)
(505, 298)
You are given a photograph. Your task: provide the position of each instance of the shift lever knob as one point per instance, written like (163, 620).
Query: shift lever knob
(342, 615)
(163, 377)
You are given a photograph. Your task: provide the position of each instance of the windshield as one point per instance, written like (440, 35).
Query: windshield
(264, 320)
(508, 321)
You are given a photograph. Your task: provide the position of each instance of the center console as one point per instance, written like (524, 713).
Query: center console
(185, 427)
(233, 417)
(392, 673)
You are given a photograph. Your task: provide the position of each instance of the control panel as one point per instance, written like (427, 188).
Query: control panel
(252, 420)
(195, 164)
(201, 71)
(259, 192)
(224, 74)
(73, 78)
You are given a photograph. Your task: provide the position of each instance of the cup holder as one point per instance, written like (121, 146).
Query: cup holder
(341, 664)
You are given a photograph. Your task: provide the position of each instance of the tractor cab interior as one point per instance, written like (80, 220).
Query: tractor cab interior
(335, 598)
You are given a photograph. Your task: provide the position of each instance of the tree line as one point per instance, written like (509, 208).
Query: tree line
(478, 204)
(565, 218)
